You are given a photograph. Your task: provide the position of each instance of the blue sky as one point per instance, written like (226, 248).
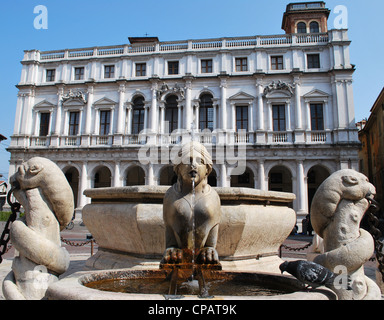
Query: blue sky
(84, 23)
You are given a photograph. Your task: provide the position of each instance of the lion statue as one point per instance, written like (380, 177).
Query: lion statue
(47, 198)
(336, 212)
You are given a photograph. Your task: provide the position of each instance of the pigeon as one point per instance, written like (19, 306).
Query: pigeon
(312, 274)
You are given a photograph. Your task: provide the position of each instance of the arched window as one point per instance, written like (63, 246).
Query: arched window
(168, 176)
(138, 115)
(245, 180)
(301, 27)
(102, 178)
(314, 27)
(72, 176)
(316, 176)
(206, 112)
(280, 179)
(171, 113)
(135, 177)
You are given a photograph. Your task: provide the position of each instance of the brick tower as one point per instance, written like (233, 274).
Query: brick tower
(305, 17)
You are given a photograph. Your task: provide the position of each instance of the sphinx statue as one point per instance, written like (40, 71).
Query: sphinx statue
(191, 209)
(336, 212)
(43, 191)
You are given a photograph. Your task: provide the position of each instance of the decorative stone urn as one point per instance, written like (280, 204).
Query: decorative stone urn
(127, 224)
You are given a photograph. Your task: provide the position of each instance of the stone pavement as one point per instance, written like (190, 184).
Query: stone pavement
(80, 254)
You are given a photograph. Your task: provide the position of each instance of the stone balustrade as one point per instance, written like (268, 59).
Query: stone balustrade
(185, 45)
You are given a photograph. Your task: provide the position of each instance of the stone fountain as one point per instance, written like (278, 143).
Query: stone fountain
(154, 241)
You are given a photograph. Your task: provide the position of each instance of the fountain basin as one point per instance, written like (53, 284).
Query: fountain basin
(275, 287)
(127, 224)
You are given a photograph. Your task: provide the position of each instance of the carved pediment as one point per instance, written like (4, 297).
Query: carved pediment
(278, 94)
(105, 101)
(74, 96)
(242, 96)
(45, 104)
(316, 94)
(279, 88)
(165, 89)
(73, 103)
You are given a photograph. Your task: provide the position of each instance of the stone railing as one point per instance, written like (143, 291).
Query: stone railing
(215, 137)
(186, 45)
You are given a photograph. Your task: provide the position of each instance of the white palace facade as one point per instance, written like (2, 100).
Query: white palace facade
(285, 100)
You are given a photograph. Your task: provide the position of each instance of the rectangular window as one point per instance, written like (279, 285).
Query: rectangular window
(206, 118)
(141, 69)
(278, 113)
(44, 123)
(105, 122)
(171, 115)
(206, 66)
(277, 63)
(109, 72)
(50, 76)
(173, 67)
(313, 61)
(241, 64)
(137, 120)
(79, 73)
(241, 117)
(74, 123)
(317, 118)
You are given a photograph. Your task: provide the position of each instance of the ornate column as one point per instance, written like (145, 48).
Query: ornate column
(146, 112)
(83, 184)
(149, 179)
(162, 118)
(270, 118)
(179, 116)
(260, 105)
(19, 113)
(250, 116)
(308, 114)
(197, 115)
(260, 125)
(26, 122)
(223, 108)
(152, 121)
(188, 103)
(233, 116)
(129, 118)
(153, 114)
(261, 175)
(223, 175)
(116, 175)
(215, 106)
(85, 139)
(298, 116)
(120, 110)
(301, 188)
(288, 114)
(120, 116)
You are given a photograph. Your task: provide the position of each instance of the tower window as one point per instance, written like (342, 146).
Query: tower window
(301, 27)
(314, 27)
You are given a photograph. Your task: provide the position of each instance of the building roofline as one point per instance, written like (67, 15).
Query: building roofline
(374, 107)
